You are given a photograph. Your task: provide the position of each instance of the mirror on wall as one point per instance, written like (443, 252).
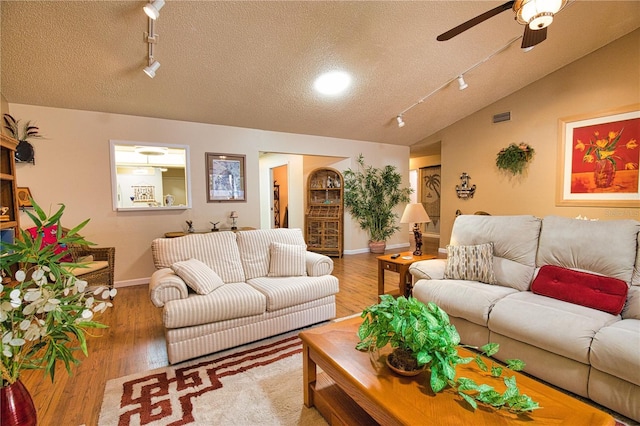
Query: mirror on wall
(149, 176)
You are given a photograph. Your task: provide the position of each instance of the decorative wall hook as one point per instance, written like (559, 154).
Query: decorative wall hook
(464, 190)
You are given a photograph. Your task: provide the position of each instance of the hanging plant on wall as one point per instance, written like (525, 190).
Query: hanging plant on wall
(22, 133)
(514, 158)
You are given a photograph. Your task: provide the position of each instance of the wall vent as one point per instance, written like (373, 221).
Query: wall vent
(503, 116)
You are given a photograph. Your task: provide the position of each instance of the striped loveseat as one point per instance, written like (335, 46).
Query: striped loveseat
(223, 289)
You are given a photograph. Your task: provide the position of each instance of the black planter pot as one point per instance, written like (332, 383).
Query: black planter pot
(25, 153)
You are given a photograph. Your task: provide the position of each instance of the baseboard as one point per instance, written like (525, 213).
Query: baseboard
(131, 283)
(366, 250)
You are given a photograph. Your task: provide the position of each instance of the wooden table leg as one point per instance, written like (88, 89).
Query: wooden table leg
(308, 375)
(380, 278)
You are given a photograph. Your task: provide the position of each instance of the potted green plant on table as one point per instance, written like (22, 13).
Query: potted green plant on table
(421, 335)
(45, 311)
(370, 195)
(22, 133)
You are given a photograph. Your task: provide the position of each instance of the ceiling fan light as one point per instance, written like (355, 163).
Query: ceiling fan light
(152, 9)
(541, 20)
(537, 14)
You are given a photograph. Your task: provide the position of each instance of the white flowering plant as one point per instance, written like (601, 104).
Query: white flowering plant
(45, 311)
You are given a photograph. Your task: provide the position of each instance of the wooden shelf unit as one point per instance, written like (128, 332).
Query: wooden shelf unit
(9, 221)
(324, 218)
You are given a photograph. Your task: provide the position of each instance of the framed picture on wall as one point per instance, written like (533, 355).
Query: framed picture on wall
(598, 159)
(225, 177)
(24, 197)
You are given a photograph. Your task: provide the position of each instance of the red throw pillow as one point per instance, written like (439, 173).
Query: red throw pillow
(593, 291)
(48, 238)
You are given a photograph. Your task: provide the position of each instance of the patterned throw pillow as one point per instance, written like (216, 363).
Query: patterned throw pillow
(197, 275)
(470, 263)
(287, 260)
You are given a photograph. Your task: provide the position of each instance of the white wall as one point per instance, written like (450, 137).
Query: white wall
(72, 167)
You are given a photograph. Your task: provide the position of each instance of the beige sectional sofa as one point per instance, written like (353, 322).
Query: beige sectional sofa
(561, 319)
(223, 289)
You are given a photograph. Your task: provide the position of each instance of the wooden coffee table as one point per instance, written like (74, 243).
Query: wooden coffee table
(353, 388)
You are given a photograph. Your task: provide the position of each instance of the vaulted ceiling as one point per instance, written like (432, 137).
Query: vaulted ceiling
(252, 63)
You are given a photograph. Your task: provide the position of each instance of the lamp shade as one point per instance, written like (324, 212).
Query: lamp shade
(415, 213)
(234, 214)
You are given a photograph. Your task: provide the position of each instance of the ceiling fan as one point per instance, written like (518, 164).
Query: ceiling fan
(537, 15)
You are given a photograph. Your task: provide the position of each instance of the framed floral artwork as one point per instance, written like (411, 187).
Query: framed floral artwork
(225, 177)
(598, 157)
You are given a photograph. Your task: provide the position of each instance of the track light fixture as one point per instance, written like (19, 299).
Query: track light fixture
(460, 78)
(461, 83)
(151, 69)
(152, 38)
(152, 9)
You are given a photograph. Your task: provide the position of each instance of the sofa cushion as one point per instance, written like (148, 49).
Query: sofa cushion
(602, 247)
(289, 291)
(559, 327)
(232, 300)
(50, 238)
(515, 241)
(470, 263)
(286, 260)
(254, 248)
(635, 279)
(198, 276)
(470, 300)
(217, 250)
(590, 290)
(631, 308)
(615, 350)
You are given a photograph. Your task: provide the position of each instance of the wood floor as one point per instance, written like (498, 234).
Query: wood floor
(134, 342)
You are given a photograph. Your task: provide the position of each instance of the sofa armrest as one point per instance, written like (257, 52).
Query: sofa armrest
(318, 264)
(432, 269)
(165, 285)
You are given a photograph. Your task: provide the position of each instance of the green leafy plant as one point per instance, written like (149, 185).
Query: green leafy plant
(371, 194)
(45, 310)
(514, 158)
(424, 330)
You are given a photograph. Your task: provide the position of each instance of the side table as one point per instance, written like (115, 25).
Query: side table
(400, 265)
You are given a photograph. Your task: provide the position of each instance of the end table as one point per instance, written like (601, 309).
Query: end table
(400, 265)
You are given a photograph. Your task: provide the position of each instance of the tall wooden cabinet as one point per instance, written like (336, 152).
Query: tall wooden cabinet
(9, 214)
(324, 219)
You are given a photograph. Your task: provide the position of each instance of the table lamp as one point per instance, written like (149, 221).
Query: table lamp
(233, 216)
(416, 214)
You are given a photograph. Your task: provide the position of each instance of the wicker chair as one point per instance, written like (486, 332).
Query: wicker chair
(96, 274)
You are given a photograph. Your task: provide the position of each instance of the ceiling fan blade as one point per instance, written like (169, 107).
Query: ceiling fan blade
(474, 21)
(533, 37)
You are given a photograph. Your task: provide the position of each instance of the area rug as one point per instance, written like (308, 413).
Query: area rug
(257, 384)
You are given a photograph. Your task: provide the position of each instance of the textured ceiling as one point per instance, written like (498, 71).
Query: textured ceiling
(252, 64)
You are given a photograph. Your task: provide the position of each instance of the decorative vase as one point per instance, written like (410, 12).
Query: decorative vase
(377, 246)
(16, 406)
(604, 173)
(25, 152)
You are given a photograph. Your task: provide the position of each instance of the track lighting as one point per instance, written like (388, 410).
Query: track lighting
(460, 78)
(152, 68)
(152, 9)
(461, 83)
(152, 38)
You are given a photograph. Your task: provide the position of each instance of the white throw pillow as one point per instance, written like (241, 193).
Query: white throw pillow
(470, 263)
(197, 275)
(287, 260)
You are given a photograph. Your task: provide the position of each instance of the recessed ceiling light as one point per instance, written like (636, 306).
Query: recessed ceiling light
(332, 83)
